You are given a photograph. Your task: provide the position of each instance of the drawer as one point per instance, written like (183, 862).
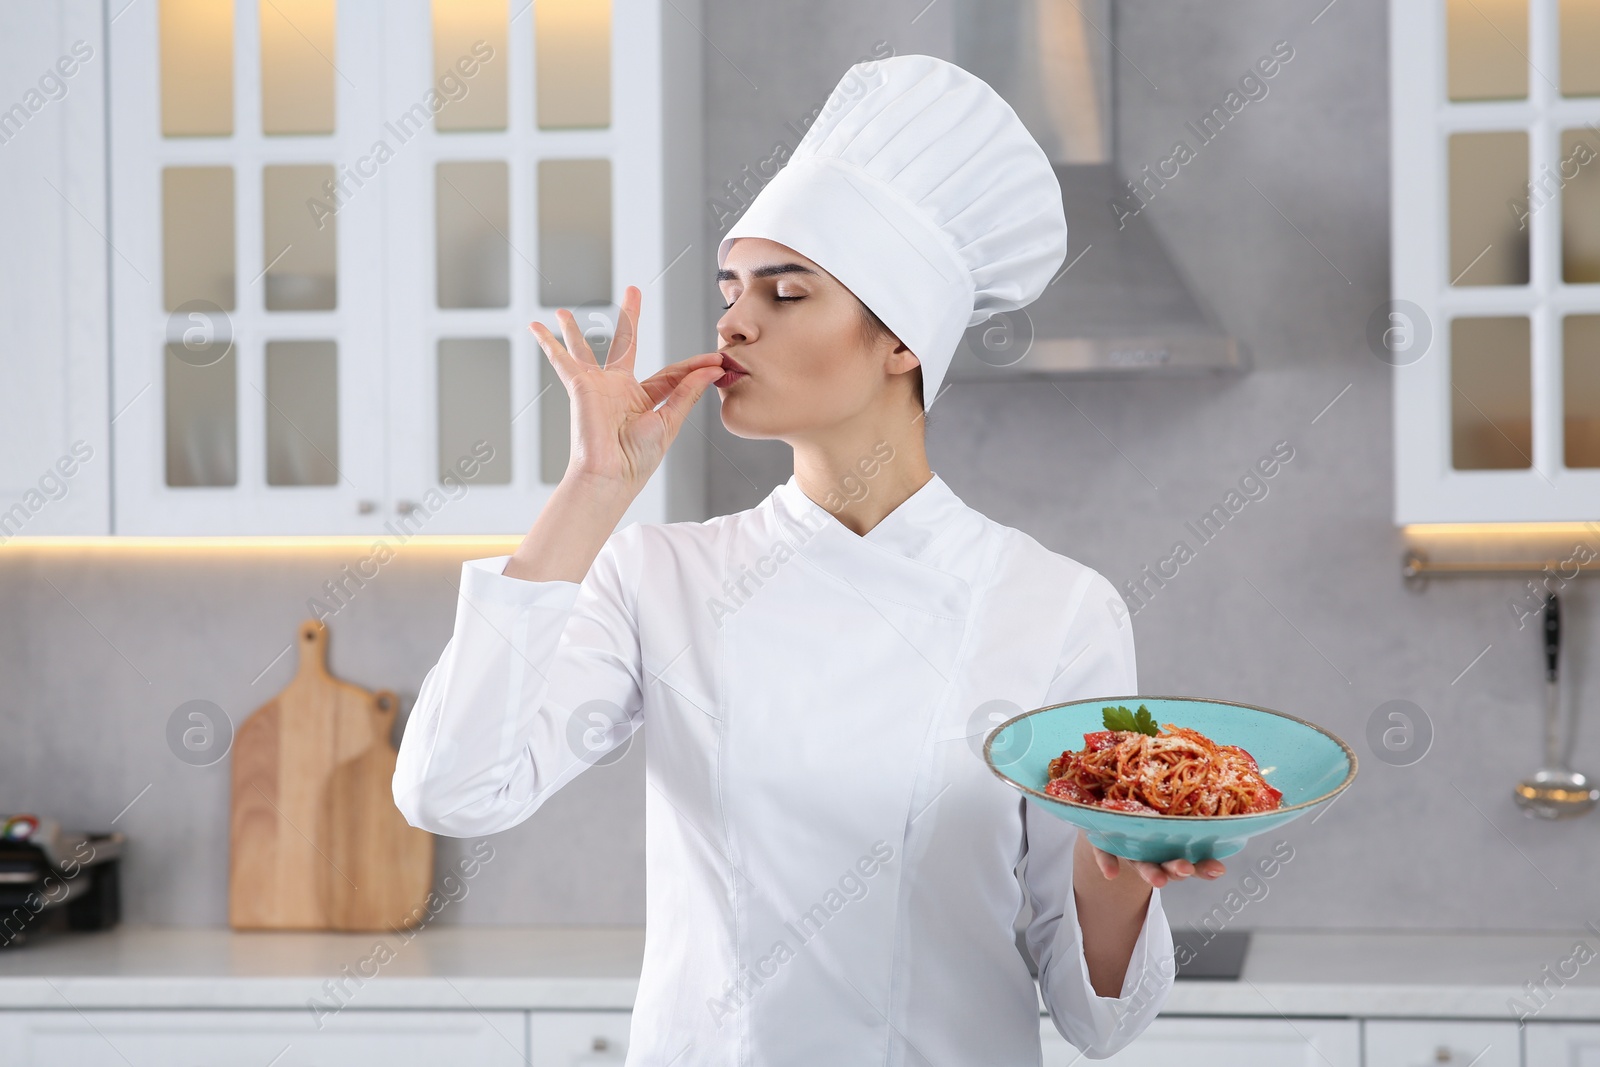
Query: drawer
(1563, 1044)
(1442, 1043)
(1226, 1043)
(258, 1038)
(578, 1038)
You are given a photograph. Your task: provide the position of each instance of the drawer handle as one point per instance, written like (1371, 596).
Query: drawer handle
(601, 1044)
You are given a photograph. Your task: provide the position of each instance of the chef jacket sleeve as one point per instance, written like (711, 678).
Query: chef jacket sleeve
(538, 682)
(1096, 660)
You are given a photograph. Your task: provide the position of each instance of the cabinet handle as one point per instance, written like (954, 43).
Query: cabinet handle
(601, 1044)
(405, 507)
(1442, 1054)
(366, 507)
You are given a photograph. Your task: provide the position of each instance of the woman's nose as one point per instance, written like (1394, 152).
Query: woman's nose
(733, 326)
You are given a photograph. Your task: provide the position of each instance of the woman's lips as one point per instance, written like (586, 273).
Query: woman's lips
(732, 372)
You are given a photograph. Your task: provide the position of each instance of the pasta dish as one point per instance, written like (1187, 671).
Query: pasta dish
(1171, 771)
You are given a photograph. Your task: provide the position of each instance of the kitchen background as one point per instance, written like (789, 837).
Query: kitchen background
(1281, 224)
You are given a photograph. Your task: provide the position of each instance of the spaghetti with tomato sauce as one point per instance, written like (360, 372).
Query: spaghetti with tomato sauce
(1176, 772)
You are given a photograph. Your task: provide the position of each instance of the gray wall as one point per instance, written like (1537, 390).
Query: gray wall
(1297, 605)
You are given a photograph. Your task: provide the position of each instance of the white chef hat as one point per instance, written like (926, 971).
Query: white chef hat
(920, 190)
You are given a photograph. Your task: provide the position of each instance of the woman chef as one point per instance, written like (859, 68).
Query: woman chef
(831, 867)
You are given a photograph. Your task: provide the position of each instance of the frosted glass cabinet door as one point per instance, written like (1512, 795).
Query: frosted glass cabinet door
(247, 310)
(1494, 112)
(333, 221)
(533, 187)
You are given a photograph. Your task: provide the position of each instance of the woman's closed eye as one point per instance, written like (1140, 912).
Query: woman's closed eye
(781, 299)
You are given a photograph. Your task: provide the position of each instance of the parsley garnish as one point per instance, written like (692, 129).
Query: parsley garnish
(1120, 718)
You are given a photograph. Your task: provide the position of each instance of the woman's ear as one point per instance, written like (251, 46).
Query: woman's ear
(902, 358)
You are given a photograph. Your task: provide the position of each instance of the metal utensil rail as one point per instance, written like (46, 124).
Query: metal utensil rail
(1417, 565)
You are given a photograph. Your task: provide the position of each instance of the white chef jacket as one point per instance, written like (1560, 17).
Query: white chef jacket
(830, 865)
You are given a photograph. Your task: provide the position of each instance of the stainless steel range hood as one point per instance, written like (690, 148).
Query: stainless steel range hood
(1119, 306)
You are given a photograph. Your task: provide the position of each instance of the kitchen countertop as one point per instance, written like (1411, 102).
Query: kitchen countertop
(1460, 975)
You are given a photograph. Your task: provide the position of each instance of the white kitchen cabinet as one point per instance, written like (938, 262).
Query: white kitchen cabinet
(351, 1038)
(335, 221)
(1226, 1043)
(578, 1038)
(1494, 326)
(1563, 1044)
(221, 260)
(55, 458)
(1442, 1043)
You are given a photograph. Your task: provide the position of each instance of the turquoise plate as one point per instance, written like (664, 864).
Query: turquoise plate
(1310, 765)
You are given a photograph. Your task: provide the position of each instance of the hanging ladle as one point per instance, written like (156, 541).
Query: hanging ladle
(1556, 791)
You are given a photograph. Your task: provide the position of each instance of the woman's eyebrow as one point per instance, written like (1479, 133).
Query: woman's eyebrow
(726, 275)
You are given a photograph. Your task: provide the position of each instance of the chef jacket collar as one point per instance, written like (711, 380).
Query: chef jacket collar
(892, 559)
(909, 529)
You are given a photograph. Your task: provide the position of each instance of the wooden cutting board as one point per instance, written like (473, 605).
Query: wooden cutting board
(316, 841)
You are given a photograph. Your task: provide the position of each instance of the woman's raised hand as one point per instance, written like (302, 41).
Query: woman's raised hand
(619, 435)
